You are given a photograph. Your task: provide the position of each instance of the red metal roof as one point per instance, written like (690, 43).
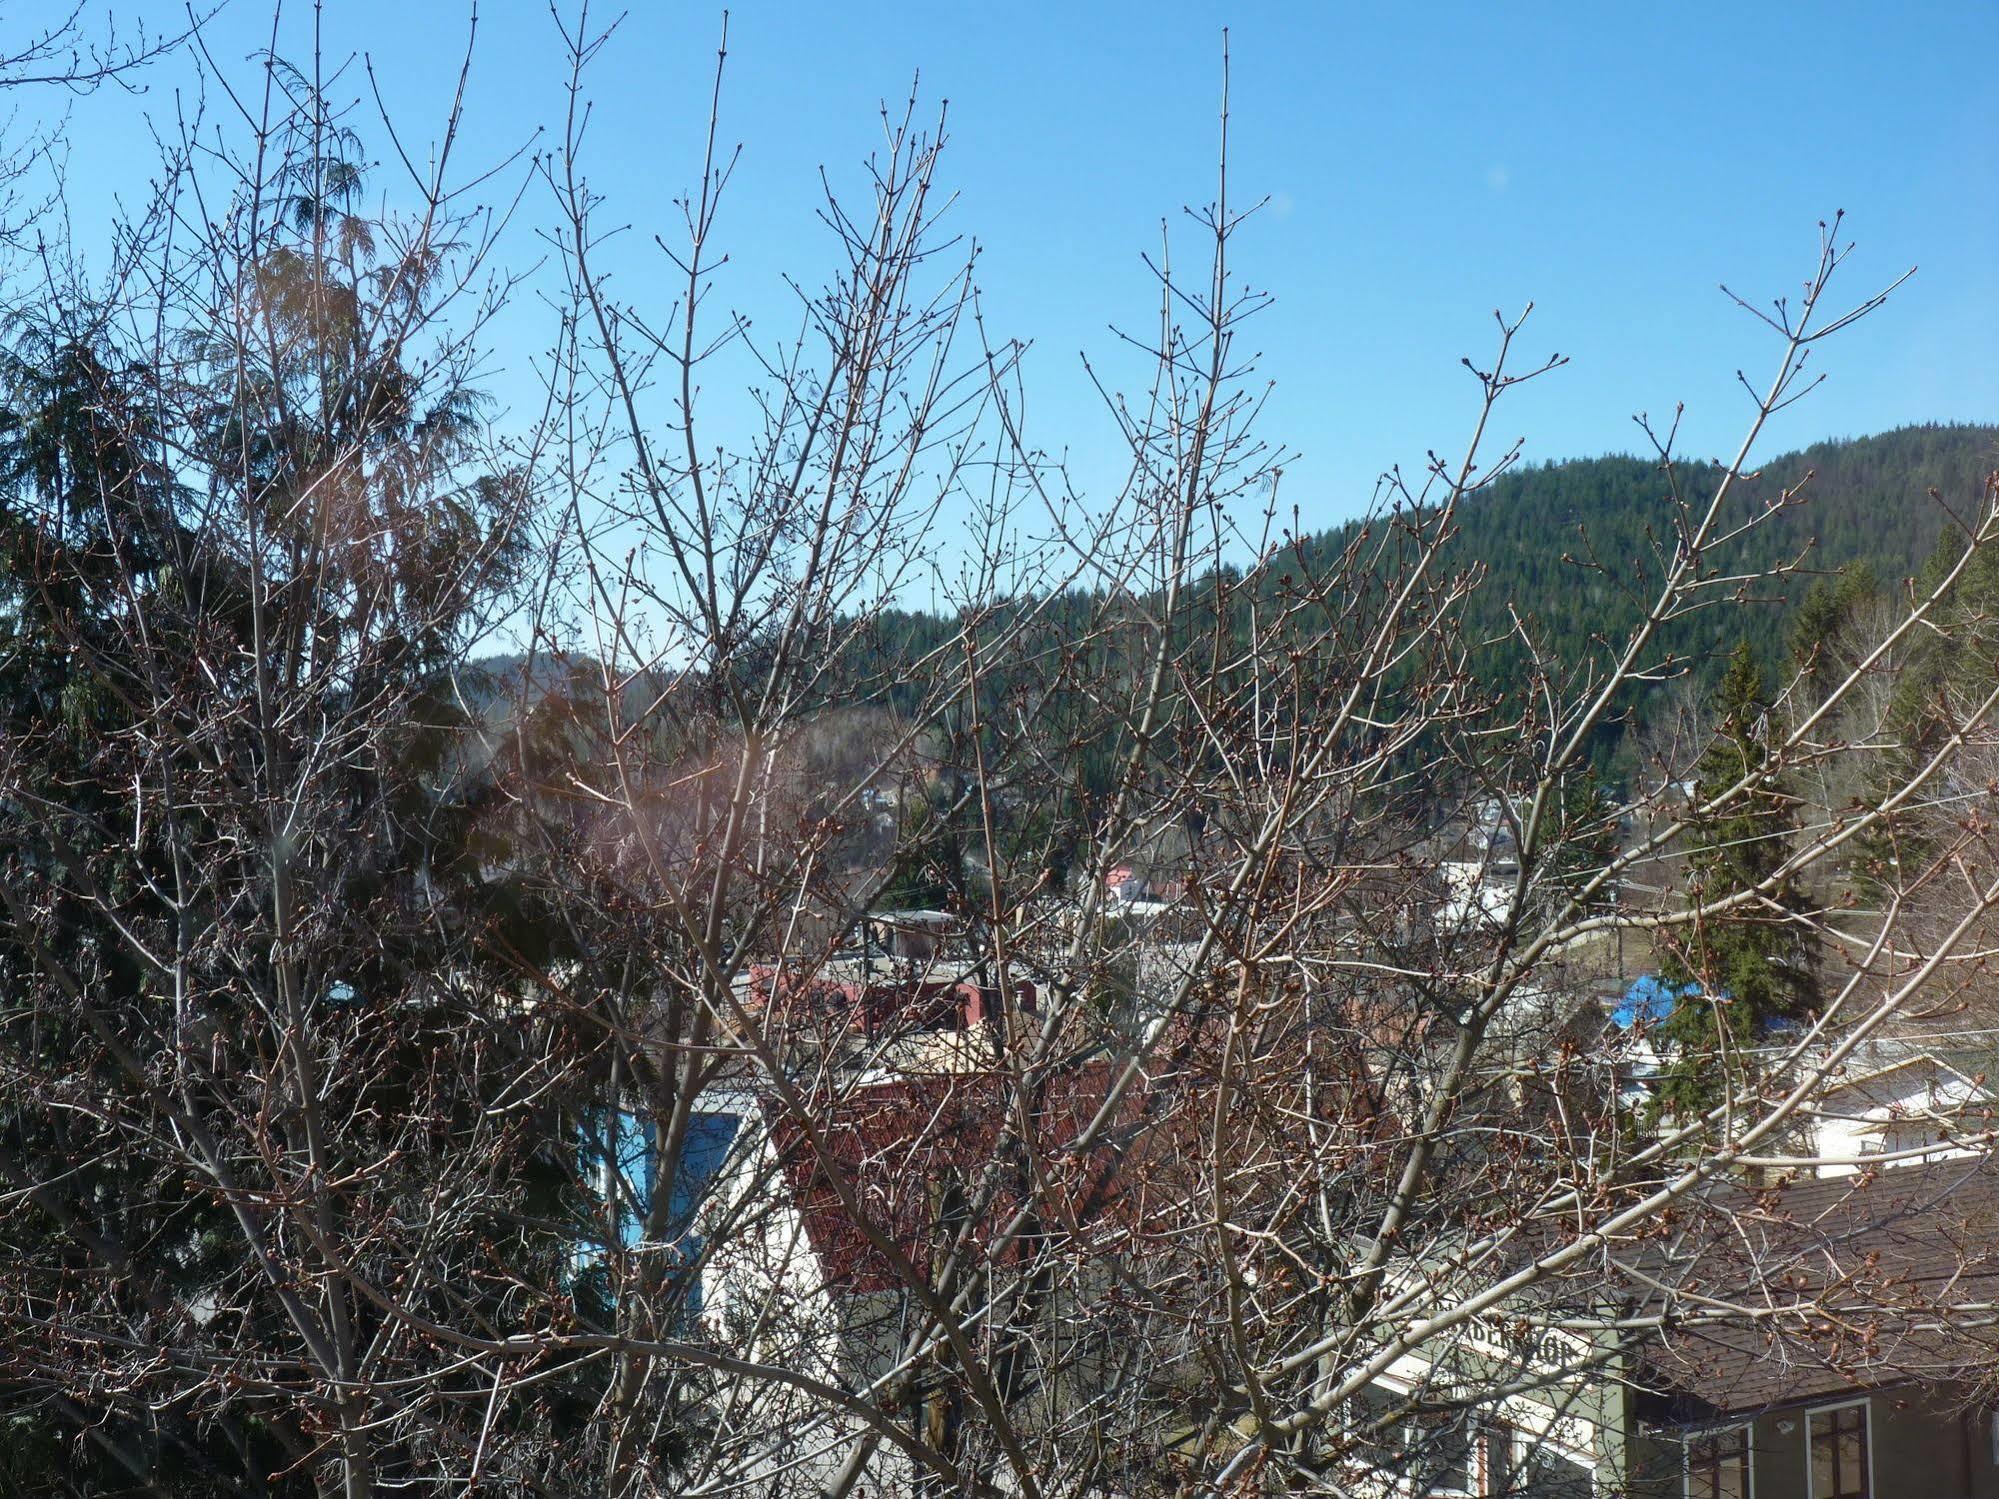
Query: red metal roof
(904, 1149)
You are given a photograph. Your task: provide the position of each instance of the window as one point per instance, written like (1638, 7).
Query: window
(1535, 1470)
(1718, 1464)
(1837, 1438)
(1439, 1445)
(709, 1138)
(1367, 1415)
(1518, 1464)
(617, 1156)
(1430, 1453)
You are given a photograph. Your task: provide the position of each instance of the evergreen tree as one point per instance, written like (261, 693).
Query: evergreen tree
(1812, 629)
(1587, 836)
(928, 871)
(1948, 672)
(233, 594)
(1750, 966)
(1825, 618)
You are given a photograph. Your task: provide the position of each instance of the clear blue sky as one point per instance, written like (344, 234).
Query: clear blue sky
(1426, 164)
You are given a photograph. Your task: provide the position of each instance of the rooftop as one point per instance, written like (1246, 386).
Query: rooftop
(1815, 1286)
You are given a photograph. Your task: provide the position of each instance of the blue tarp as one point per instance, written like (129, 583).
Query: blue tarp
(1650, 1000)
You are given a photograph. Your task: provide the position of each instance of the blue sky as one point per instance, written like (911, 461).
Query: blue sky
(1425, 165)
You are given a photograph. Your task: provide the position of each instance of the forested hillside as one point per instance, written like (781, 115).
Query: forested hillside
(1577, 546)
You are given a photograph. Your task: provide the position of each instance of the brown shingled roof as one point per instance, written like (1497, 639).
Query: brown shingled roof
(1840, 1283)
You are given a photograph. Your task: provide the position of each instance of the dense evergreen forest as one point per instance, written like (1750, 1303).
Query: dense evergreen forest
(1576, 547)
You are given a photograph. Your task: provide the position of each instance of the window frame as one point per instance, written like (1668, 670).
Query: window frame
(1413, 1440)
(1866, 1405)
(1748, 1430)
(1522, 1447)
(1405, 1437)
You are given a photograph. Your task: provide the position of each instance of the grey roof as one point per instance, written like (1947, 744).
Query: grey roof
(1817, 1286)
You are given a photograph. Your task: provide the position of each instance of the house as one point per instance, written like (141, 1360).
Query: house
(828, 1242)
(919, 936)
(1422, 1430)
(1889, 1100)
(798, 1246)
(1824, 1338)
(1910, 1106)
(1859, 1350)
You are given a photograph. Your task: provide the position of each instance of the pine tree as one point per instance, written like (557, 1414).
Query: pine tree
(1742, 970)
(233, 595)
(1823, 623)
(1948, 672)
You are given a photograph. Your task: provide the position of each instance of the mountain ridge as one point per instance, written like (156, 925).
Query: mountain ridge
(1579, 544)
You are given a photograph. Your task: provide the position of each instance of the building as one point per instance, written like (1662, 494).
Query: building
(1823, 1338)
(1859, 1354)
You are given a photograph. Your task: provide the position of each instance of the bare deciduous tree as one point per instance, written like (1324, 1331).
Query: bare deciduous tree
(538, 1079)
